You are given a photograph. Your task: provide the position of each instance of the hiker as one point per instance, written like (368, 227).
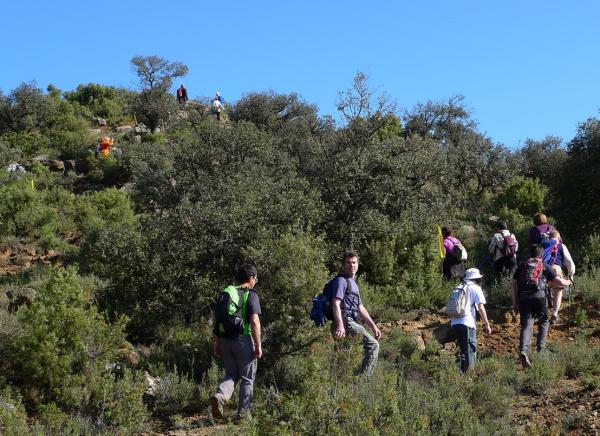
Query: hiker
(453, 266)
(217, 107)
(503, 247)
(528, 290)
(104, 145)
(348, 307)
(182, 96)
(240, 352)
(557, 255)
(218, 97)
(465, 328)
(540, 232)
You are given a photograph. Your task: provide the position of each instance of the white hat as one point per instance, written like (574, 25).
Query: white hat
(218, 94)
(472, 274)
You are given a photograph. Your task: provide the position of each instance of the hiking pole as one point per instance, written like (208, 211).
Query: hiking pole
(570, 289)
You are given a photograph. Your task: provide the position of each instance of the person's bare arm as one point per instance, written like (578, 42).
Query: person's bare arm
(364, 315)
(255, 329)
(558, 282)
(338, 325)
(486, 323)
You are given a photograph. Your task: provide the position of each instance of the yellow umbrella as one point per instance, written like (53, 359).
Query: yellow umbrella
(441, 242)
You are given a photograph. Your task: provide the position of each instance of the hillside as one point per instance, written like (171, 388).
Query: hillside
(110, 263)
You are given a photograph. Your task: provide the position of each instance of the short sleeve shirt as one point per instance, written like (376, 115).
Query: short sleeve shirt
(549, 275)
(351, 300)
(253, 304)
(476, 297)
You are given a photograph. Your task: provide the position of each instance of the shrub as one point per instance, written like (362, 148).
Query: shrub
(175, 392)
(13, 419)
(542, 375)
(64, 339)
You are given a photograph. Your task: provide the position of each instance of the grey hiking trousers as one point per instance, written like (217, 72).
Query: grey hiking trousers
(370, 345)
(530, 308)
(240, 364)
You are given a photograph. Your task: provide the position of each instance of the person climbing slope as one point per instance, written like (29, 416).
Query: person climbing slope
(557, 255)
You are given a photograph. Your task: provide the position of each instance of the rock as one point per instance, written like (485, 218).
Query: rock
(156, 130)
(419, 341)
(450, 346)
(101, 121)
(15, 168)
(129, 355)
(69, 166)
(141, 128)
(152, 384)
(124, 129)
(137, 139)
(55, 165)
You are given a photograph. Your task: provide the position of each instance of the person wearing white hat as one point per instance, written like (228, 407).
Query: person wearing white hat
(464, 327)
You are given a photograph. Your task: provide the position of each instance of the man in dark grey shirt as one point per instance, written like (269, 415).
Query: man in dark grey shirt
(348, 307)
(240, 353)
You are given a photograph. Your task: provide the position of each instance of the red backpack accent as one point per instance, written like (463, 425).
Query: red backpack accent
(531, 277)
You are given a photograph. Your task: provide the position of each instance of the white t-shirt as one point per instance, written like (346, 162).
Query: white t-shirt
(476, 297)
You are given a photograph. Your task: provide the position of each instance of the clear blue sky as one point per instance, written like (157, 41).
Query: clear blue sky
(527, 68)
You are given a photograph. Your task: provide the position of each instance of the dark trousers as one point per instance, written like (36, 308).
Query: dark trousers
(531, 308)
(505, 266)
(452, 268)
(466, 338)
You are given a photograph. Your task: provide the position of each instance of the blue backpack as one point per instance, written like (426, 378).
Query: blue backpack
(322, 309)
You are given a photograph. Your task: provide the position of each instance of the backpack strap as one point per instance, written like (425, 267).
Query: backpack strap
(245, 298)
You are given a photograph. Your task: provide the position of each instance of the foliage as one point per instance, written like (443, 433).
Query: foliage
(155, 72)
(63, 340)
(590, 252)
(577, 209)
(102, 101)
(525, 196)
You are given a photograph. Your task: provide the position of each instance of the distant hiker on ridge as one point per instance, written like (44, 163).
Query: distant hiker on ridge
(503, 247)
(348, 307)
(182, 96)
(217, 106)
(456, 254)
(529, 298)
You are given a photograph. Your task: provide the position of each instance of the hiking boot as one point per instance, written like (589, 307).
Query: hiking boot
(241, 417)
(525, 362)
(553, 319)
(216, 408)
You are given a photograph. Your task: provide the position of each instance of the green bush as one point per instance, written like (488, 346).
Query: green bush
(13, 418)
(543, 374)
(175, 392)
(64, 340)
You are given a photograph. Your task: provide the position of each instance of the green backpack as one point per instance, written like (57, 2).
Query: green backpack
(230, 312)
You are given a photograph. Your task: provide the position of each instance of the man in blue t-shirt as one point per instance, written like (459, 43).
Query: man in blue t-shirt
(348, 307)
(528, 288)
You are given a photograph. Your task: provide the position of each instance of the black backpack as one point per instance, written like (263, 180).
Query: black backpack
(230, 312)
(532, 277)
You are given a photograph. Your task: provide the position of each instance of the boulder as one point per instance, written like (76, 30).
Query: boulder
(55, 165)
(101, 121)
(418, 340)
(152, 384)
(124, 129)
